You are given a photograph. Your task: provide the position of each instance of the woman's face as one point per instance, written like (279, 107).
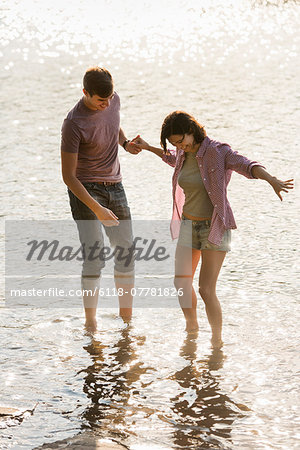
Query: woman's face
(185, 142)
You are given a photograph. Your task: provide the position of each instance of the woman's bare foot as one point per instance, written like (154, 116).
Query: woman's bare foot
(216, 342)
(192, 326)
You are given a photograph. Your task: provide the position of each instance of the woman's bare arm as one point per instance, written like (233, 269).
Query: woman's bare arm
(277, 185)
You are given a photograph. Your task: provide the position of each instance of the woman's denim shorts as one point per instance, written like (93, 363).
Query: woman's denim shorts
(194, 234)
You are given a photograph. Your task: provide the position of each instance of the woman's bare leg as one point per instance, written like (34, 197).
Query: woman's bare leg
(210, 268)
(186, 261)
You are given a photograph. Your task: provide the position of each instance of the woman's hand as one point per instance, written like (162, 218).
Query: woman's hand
(279, 186)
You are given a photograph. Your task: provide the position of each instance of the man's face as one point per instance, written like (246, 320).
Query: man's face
(97, 103)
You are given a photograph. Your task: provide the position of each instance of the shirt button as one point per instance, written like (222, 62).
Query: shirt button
(209, 192)
(216, 206)
(200, 165)
(204, 179)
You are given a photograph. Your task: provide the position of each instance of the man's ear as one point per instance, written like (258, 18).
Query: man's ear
(85, 92)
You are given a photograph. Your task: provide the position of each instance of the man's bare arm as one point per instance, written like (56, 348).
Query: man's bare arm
(69, 165)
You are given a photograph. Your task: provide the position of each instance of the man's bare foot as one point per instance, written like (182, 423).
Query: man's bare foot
(91, 326)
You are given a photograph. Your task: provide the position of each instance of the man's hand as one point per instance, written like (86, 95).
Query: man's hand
(132, 147)
(106, 216)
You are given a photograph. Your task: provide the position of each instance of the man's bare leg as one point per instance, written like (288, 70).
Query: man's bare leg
(90, 289)
(124, 285)
(90, 319)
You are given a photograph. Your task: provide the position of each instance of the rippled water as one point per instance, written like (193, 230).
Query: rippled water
(235, 66)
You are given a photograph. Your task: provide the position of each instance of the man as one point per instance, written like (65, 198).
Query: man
(91, 169)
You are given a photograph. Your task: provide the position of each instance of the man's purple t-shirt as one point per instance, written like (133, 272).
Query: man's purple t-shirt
(94, 135)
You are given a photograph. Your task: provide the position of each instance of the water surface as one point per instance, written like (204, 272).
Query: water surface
(235, 66)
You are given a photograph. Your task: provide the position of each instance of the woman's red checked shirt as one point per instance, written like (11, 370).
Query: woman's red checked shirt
(216, 162)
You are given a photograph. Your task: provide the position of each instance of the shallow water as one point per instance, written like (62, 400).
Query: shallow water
(149, 385)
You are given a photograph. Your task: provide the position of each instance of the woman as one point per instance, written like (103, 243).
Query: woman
(202, 172)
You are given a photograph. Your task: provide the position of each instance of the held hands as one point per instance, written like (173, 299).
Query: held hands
(279, 186)
(140, 143)
(132, 146)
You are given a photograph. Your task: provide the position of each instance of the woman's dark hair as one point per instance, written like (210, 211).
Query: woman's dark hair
(98, 81)
(180, 122)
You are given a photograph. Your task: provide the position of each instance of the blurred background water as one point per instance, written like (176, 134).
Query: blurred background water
(235, 66)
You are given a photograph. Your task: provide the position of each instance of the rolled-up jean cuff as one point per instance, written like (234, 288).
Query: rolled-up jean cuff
(124, 277)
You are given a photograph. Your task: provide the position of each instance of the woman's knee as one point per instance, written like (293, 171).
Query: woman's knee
(206, 292)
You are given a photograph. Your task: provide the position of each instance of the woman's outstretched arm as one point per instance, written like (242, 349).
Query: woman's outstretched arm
(243, 165)
(277, 185)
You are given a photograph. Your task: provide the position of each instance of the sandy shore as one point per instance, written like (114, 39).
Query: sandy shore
(87, 441)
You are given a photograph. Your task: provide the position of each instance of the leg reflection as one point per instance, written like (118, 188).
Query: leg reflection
(109, 383)
(202, 413)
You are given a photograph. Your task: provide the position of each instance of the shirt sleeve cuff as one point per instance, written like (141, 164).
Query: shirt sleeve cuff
(253, 164)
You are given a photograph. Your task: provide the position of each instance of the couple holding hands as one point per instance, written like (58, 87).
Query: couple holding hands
(202, 217)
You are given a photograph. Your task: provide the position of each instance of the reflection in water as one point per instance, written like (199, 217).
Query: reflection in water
(203, 416)
(110, 382)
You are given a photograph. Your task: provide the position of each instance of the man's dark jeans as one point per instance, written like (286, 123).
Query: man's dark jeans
(90, 230)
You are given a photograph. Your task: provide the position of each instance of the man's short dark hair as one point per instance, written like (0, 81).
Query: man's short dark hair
(98, 81)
